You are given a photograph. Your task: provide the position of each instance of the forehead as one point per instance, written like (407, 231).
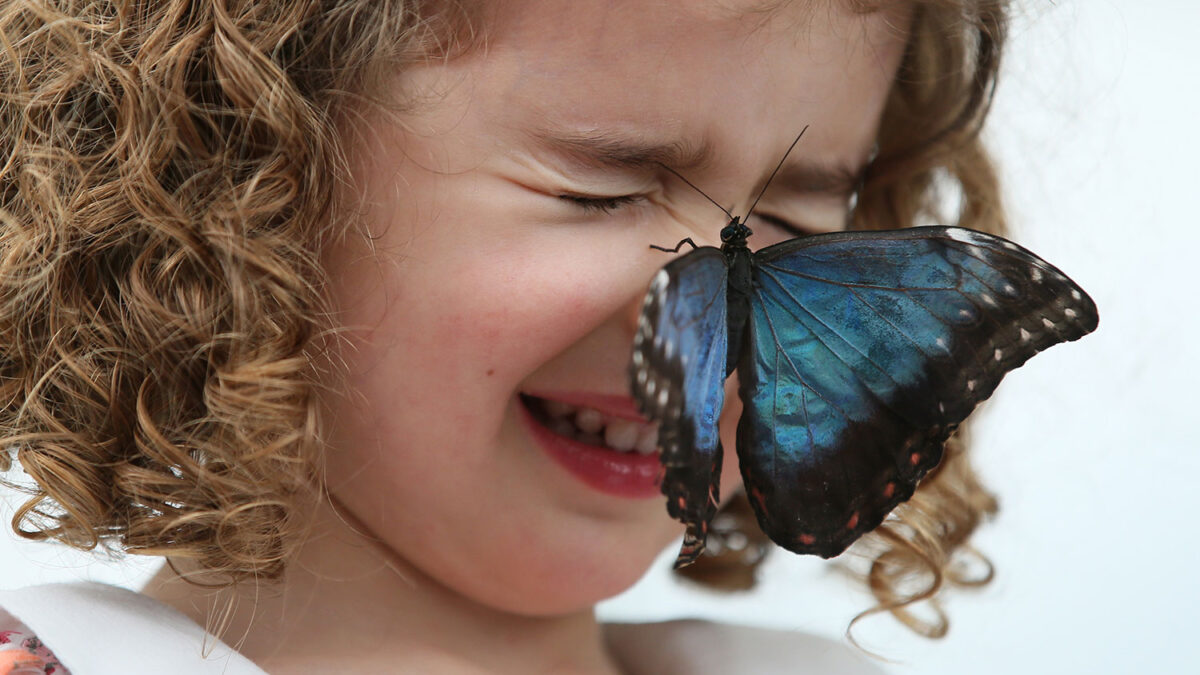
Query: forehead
(674, 64)
(730, 80)
(584, 24)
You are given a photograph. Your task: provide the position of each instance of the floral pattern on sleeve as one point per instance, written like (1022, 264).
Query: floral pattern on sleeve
(22, 652)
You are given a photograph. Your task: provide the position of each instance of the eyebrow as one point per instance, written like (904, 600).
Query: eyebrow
(608, 150)
(601, 149)
(818, 178)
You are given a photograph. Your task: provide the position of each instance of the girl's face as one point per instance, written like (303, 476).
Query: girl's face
(510, 216)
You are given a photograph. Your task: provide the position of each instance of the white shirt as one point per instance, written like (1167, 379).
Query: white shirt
(98, 629)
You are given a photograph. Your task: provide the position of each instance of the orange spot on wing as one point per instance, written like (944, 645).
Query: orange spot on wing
(758, 497)
(889, 490)
(807, 539)
(853, 521)
(914, 458)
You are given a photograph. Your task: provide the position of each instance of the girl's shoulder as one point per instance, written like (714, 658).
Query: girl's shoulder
(98, 628)
(699, 647)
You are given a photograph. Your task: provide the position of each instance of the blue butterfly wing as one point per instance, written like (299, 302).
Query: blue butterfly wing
(865, 351)
(677, 375)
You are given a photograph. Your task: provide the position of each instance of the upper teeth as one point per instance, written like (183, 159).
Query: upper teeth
(592, 425)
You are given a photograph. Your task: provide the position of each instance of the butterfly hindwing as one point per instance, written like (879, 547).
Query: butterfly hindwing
(865, 351)
(677, 375)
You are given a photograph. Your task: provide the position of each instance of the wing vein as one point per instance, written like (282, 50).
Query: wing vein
(799, 376)
(845, 284)
(834, 331)
(883, 403)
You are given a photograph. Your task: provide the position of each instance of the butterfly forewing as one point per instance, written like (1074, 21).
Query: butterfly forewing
(865, 351)
(677, 375)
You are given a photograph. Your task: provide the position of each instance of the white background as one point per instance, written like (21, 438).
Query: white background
(1088, 446)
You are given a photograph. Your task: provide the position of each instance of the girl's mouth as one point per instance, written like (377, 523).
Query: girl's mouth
(608, 452)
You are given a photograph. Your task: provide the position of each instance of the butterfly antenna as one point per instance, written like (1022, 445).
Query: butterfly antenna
(777, 168)
(689, 183)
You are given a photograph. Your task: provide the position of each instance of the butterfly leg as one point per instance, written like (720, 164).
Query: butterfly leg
(678, 246)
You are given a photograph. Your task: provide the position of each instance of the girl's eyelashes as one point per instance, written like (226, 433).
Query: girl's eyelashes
(598, 204)
(785, 225)
(606, 205)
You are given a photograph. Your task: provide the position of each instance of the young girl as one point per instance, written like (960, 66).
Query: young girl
(290, 289)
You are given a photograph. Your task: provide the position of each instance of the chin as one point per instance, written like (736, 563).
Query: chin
(563, 577)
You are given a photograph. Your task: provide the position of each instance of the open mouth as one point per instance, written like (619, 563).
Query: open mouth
(590, 426)
(607, 451)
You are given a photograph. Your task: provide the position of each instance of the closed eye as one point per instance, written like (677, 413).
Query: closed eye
(597, 204)
(784, 225)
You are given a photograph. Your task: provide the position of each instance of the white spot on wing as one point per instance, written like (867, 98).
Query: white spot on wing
(659, 287)
(959, 234)
(660, 281)
(998, 354)
(1025, 335)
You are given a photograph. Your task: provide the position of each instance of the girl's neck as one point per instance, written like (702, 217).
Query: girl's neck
(347, 604)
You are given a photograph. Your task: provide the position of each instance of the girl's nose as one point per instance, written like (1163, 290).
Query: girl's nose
(684, 238)
(633, 310)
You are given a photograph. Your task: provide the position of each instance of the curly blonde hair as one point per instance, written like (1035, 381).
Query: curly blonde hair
(168, 179)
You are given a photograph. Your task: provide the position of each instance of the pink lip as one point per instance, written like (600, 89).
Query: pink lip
(621, 474)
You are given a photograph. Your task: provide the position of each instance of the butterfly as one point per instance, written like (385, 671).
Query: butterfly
(857, 354)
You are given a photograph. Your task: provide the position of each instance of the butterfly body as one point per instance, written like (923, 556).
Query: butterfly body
(740, 261)
(857, 354)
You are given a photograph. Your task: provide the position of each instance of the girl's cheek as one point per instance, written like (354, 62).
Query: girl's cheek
(514, 318)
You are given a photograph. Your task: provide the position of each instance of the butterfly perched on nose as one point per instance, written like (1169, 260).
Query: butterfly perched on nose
(857, 355)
